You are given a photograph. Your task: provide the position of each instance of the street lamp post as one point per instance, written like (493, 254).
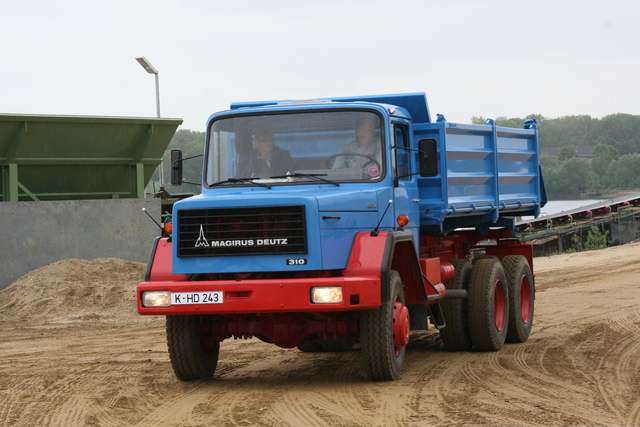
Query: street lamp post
(151, 70)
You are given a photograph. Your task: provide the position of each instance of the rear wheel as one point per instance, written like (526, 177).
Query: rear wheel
(455, 335)
(384, 335)
(521, 297)
(192, 355)
(481, 257)
(488, 305)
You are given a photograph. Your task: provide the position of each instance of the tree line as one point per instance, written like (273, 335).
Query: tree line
(614, 164)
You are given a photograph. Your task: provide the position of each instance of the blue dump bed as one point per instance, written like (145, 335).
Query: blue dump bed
(487, 174)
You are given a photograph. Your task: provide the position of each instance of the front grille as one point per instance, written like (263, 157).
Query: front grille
(242, 231)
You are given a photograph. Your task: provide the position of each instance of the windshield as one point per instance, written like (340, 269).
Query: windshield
(293, 148)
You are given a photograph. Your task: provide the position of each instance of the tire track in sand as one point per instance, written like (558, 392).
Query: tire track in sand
(618, 373)
(52, 394)
(310, 389)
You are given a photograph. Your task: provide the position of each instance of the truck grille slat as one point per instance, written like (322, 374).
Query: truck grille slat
(242, 231)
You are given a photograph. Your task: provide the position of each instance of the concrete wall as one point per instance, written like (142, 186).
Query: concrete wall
(34, 234)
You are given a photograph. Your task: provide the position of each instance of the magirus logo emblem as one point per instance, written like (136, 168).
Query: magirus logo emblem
(202, 241)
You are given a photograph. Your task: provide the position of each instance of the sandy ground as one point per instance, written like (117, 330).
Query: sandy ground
(74, 352)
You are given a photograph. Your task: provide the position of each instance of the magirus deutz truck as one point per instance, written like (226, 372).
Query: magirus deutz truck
(332, 223)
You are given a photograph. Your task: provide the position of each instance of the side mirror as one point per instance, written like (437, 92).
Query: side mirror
(176, 167)
(428, 157)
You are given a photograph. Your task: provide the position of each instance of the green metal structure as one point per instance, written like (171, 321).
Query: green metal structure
(79, 157)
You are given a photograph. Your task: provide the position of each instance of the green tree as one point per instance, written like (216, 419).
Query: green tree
(597, 238)
(567, 153)
(548, 162)
(574, 177)
(567, 130)
(623, 172)
(539, 118)
(552, 183)
(510, 122)
(622, 131)
(601, 158)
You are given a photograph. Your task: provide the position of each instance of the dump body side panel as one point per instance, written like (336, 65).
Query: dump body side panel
(486, 172)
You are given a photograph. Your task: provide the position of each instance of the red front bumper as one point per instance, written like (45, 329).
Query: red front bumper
(267, 296)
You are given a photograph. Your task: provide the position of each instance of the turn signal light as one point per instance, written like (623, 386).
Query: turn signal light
(402, 220)
(168, 227)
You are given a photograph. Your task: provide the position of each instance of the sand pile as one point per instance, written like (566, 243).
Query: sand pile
(73, 289)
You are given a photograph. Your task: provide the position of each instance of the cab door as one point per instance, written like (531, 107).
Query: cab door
(406, 201)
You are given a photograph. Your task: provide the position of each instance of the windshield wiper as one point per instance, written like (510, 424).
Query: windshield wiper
(315, 176)
(240, 180)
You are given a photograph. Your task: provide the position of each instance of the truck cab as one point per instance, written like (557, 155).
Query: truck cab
(307, 211)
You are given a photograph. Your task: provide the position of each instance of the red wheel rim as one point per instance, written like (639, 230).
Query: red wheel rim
(525, 299)
(499, 308)
(401, 326)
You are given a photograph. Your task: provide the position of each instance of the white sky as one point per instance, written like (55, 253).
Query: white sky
(488, 58)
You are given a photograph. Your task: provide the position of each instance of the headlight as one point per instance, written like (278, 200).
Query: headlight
(326, 295)
(156, 298)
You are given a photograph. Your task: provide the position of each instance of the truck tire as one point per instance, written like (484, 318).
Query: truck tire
(384, 334)
(480, 257)
(455, 335)
(192, 356)
(521, 297)
(488, 305)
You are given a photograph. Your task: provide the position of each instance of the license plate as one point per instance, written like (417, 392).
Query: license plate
(186, 298)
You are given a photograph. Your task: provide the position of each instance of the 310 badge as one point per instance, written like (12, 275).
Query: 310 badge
(297, 261)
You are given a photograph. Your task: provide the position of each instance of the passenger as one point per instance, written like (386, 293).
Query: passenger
(265, 159)
(365, 144)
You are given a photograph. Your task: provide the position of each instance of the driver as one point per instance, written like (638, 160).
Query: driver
(265, 159)
(365, 144)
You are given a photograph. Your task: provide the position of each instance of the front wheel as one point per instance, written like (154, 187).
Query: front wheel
(192, 355)
(384, 334)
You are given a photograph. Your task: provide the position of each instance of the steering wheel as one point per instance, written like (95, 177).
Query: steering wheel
(364, 168)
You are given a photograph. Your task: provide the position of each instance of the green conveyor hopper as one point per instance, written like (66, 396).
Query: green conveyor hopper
(79, 157)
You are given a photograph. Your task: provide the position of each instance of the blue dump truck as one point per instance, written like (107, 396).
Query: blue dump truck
(332, 223)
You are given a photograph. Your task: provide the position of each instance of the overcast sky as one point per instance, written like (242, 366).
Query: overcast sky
(488, 58)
